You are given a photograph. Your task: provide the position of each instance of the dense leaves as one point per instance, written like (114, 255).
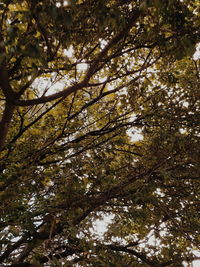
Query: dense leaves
(99, 133)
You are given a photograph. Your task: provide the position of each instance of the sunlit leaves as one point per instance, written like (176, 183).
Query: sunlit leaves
(117, 142)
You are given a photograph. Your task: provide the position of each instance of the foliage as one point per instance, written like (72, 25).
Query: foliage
(81, 81)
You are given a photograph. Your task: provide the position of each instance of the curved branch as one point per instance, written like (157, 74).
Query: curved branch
(44, 99)
(92, 69)
(140, 256)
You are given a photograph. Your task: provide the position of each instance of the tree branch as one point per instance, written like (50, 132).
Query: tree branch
(90, 72)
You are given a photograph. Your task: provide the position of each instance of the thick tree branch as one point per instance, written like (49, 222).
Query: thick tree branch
(9, 94)
(92, 69)
(4, 80)
(140, 256)
(52, 97)
(5, 123)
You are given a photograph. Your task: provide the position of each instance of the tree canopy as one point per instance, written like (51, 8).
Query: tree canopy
(100, 112)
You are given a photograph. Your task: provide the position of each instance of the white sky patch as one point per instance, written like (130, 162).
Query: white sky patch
(182, 130)
(195, 263)
(101, 225)
(65, 3)
(103, 44)
(159, 192)
(122, 91)
(135, 135)
(186, 104)
(197, 55)
(82, 66)
(48, 85)
(58, 4)
(69, 52)
(103, 79)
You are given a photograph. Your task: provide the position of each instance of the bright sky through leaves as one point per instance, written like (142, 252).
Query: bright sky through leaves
(99, 119)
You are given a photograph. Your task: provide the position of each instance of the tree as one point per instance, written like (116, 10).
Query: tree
(78, 80)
